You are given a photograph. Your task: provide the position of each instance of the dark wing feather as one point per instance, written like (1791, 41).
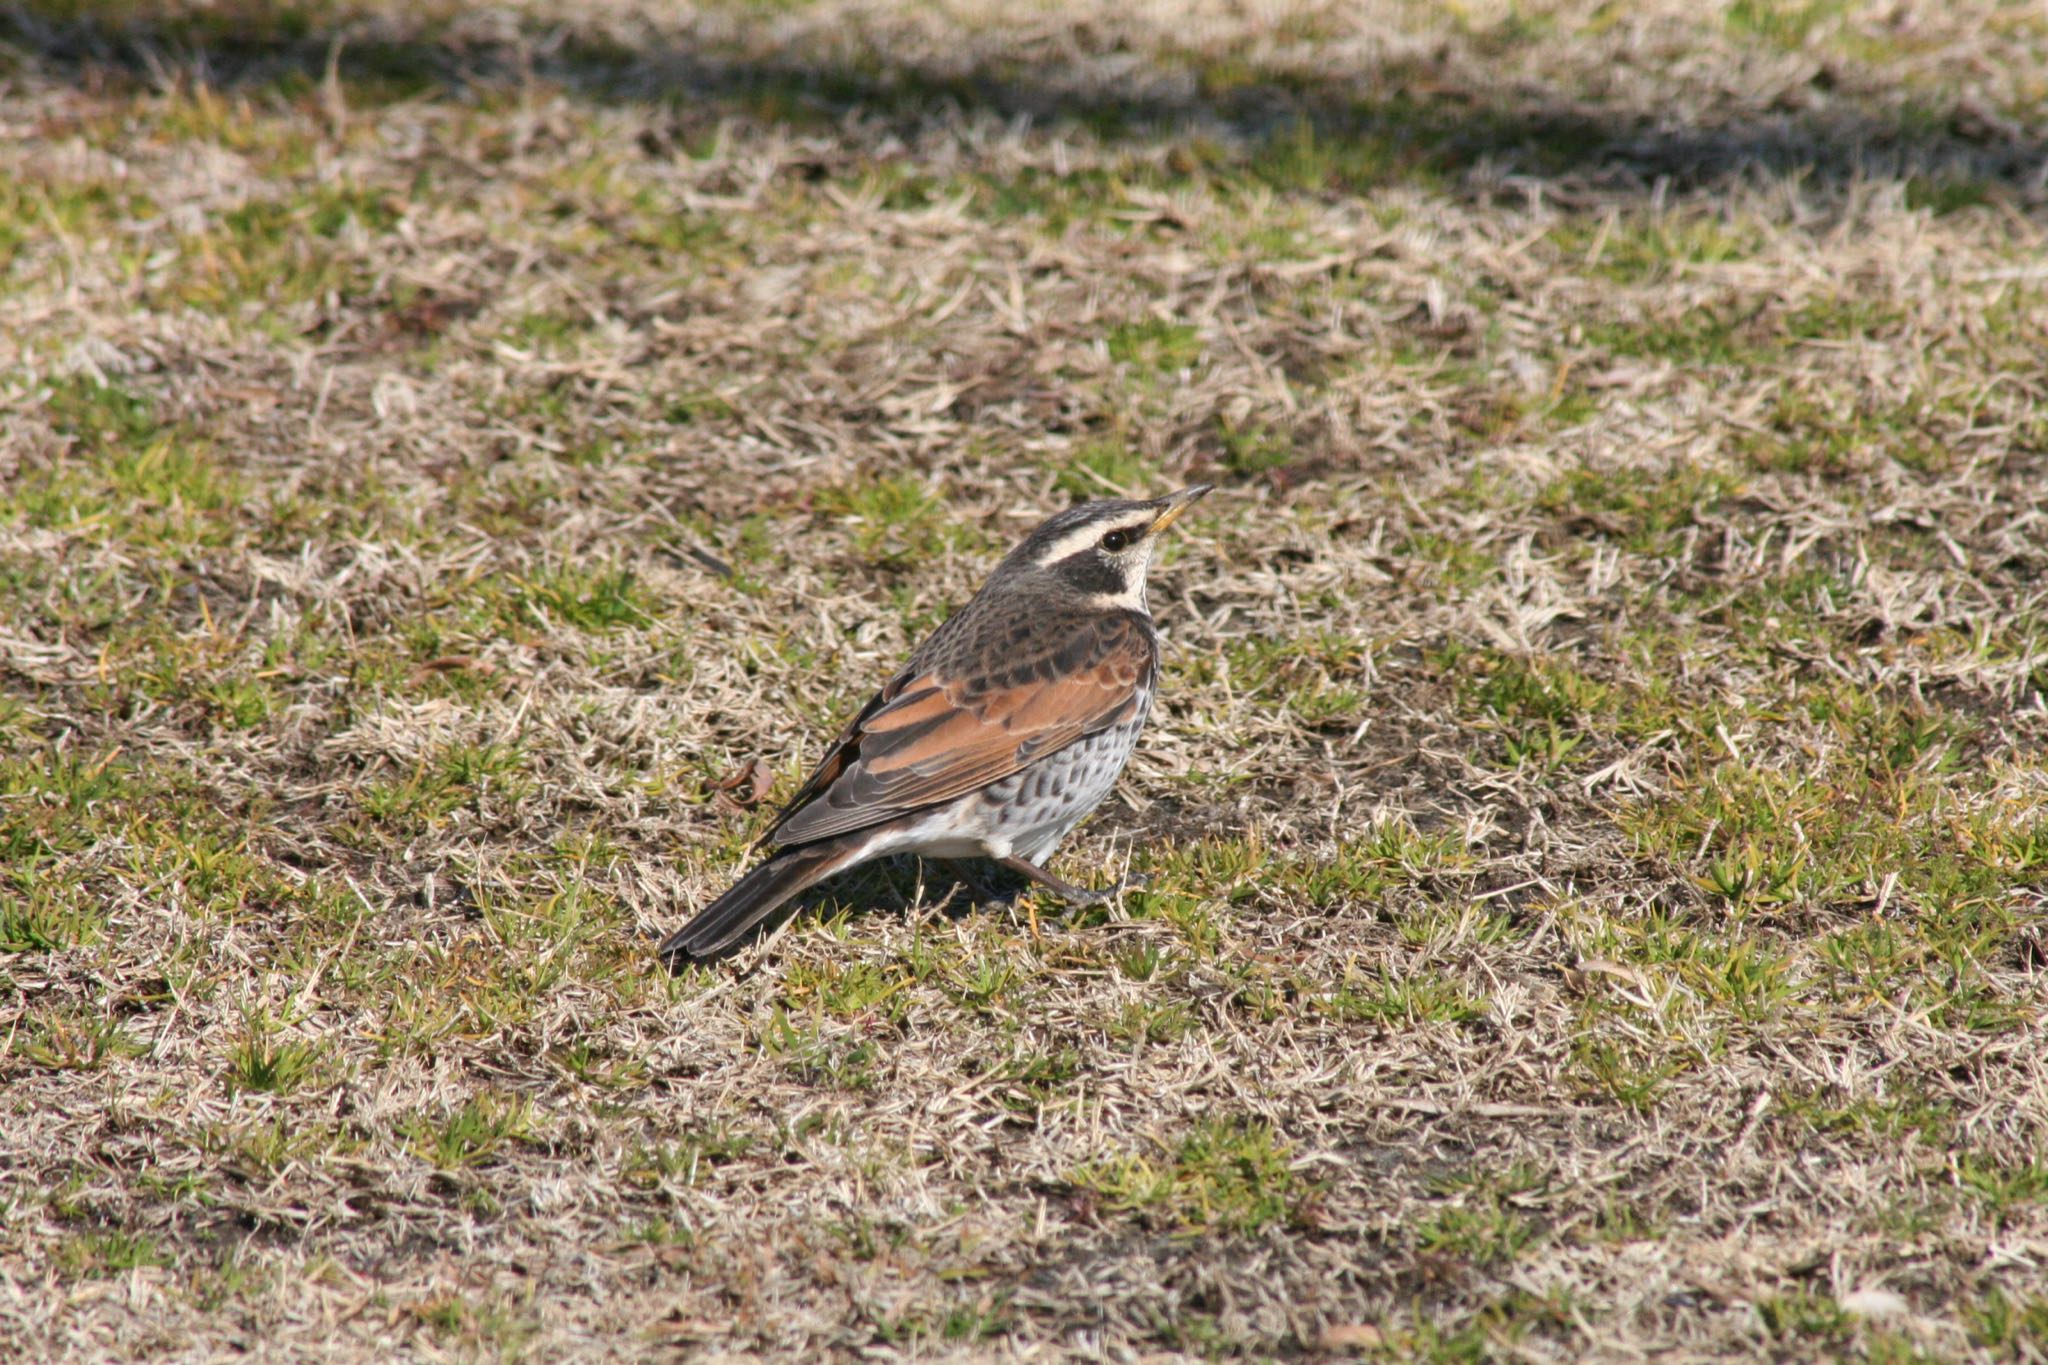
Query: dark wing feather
(937, 732)
(841, 752)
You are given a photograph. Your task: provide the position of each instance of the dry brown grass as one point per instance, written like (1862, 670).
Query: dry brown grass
(1596, 817)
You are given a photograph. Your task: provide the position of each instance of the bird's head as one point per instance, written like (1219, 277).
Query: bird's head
(1100, 550)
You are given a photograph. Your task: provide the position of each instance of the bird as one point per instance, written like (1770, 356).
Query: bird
(1007, 726)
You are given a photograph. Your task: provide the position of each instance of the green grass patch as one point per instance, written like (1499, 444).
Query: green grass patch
(2003, 1188)
(1789, 24)
(1106, 469)
(45, 919)
(473, 1133)
(266, 1061)
(1316, 676)
(1803, 1315)
(1155, 345)
(460, 774)
(58, 1038)
(1403, 1000)
(1700, 337)
(36, 218)
(824, 1054)
(1640, 247)
(1054, 202)
(1482, 1221)
(99, 1254)
(1543, 710)
(687, 1160)
(1804, 433)
(1253, 448)
(1224, 1175)
(897, 521)
(2009, 1325)
(53, 802)
(1454, 564)
(595, 600)
(1304, 159)
(1639, 508)
(124, 476)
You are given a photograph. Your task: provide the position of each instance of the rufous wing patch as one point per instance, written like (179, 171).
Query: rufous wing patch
(939, 737)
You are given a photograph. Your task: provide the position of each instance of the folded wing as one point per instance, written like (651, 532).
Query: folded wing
(937, 733)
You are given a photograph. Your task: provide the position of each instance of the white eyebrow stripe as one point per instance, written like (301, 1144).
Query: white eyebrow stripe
(1081, 537)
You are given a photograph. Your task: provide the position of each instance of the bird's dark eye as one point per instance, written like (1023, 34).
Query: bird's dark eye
(1117, 540)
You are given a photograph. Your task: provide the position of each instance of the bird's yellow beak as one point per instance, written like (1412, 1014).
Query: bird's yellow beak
(1177, 503)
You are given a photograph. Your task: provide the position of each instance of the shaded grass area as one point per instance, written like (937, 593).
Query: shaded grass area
(1595, 825)
(1842, 91)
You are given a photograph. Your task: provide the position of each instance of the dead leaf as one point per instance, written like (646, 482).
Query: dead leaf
(746, 786)
(1352, 1336)
(449, 663)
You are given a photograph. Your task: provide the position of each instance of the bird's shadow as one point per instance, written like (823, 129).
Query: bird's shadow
(904, 885)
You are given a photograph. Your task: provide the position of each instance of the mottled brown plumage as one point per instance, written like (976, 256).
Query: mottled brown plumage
(1005, 728)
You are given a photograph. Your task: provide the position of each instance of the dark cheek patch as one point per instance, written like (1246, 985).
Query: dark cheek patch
(1089, 572)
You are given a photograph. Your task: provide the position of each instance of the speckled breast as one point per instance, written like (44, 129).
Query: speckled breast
(1036, 806)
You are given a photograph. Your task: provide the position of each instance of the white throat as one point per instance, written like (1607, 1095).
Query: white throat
(1132, 598)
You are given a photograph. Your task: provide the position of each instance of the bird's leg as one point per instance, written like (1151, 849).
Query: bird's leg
(1079, 895)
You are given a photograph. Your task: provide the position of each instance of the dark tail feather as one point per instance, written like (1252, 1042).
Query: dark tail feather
(752, 899)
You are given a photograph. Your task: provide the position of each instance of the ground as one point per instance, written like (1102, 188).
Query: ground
(457, 467)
